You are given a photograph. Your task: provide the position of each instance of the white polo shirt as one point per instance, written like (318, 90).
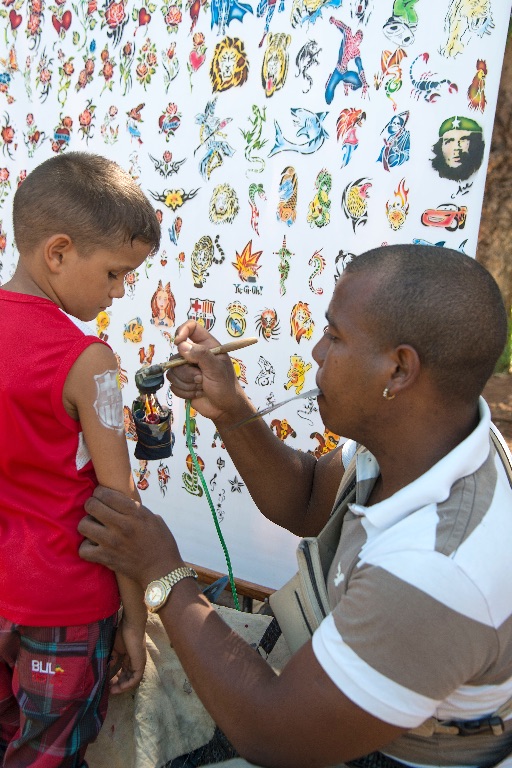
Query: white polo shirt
(421, 595)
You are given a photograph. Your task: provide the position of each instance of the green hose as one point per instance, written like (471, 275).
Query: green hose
(210, 502)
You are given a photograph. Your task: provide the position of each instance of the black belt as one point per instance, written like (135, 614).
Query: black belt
(378, 760)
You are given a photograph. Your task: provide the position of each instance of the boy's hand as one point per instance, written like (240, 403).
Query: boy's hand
(130, 651)
(118, 653)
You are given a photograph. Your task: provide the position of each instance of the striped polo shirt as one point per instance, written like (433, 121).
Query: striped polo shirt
(421, 597)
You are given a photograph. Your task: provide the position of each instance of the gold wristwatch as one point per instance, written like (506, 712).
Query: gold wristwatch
(158, 591)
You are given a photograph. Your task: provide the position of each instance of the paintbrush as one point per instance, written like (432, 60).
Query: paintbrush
(176, 360)
(310, 393)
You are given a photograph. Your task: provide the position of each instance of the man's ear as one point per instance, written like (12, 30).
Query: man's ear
(407, 368)
(56, 249)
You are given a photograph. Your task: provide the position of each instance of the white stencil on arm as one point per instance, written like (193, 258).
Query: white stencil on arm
(109, 402)
(83, 456)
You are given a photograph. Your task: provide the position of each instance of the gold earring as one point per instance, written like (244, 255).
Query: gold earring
(386, 396)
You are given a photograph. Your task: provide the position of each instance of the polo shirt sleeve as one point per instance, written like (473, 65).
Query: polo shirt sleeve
(398, 646)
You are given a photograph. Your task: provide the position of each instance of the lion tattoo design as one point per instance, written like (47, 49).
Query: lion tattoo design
(229, 67)
(224, 204)
(301, 322)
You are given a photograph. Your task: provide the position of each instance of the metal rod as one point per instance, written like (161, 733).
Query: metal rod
(310, 393)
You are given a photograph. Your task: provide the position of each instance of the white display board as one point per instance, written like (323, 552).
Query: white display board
(277, 140)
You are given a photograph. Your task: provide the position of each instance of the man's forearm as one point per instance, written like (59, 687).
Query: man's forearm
(298, 718)
(279, 478)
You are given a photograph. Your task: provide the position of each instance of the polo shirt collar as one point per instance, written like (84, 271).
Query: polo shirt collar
(435, 485)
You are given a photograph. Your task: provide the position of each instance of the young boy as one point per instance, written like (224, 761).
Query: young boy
(80, 224)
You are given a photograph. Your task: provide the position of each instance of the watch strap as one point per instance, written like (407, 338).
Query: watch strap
(178, 574)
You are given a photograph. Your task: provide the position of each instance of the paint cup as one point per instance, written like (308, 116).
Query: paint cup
(153, 431)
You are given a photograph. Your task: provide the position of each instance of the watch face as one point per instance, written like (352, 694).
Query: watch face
(155, 594)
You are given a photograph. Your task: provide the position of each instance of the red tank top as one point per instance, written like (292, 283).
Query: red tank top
(46, 474)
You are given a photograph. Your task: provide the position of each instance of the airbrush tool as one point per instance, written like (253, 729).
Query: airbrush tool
(152, 420)
(150, 378)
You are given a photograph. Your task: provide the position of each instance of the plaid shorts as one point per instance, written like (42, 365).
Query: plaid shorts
(53, 692)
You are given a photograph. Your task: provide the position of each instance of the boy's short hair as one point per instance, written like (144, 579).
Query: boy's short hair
(86, 196)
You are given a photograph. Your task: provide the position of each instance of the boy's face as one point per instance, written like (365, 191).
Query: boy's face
(89, 284)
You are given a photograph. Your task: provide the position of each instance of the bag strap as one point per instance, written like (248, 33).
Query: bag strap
(347, 484)
(506, 458)
(503, 451)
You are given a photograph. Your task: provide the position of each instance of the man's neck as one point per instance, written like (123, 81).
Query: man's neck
(411, 452)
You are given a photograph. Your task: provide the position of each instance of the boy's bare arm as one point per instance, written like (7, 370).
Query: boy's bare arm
(92, 395)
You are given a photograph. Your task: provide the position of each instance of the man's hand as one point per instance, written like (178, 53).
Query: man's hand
(209, 382)
(127, 537)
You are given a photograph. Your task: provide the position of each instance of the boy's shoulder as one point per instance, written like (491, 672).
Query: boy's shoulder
(36, 307)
